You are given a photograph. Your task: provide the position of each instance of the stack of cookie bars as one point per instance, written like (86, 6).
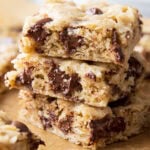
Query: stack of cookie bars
(76, 72)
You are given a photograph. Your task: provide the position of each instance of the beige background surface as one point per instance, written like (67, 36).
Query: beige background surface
(13, 12)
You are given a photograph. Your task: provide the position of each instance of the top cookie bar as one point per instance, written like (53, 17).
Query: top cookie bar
(106, 33)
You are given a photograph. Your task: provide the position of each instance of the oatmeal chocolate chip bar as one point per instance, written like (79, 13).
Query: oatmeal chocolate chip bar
(87, 82)
(142, 52)
(15, 135)
(106, 33)
(8, 51)
(82, 124)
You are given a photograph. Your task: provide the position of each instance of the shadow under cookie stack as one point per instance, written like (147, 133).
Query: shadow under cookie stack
(76, 72)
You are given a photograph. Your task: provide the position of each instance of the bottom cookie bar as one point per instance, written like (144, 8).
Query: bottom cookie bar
(15, 135)
(90, 127)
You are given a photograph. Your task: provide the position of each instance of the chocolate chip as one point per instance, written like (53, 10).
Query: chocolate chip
(39, 50)
(115, 37)
(115, 90)
(62, 82)
(47, 122)
(103, 128)
(140, 21)
(116, 46)
(53, 117)
(34, 96)
(22, 127)
(147, 76)
(91, 75)
(89, 62)
(25, 77)
(37, 31)
(109, 74)
(65, 124)
(94, 11)
(146, 55)
(51, 99)
(120, 102)
(135, 68)
(70, 41)
(34, 143)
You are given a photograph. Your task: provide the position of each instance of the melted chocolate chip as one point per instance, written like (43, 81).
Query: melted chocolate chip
(147, 76)
(90, 62)
(109, 74)
(115, 90)
(116, 46)
(135, 68)
(105, 127)
(25, 77)
(62, 82)
(37, 31)
(146, 55)
(140, 21)
(53, 116)
(22, 127)
(47, 122)
(71, 42)
(91, 75)
(51, 99)
(94, 11)
(34, 144)
(39, 50)
(121, 102)
(65, 124)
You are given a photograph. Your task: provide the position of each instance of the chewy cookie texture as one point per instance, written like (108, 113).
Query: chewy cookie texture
(84, 125)
(15, 135)
(91, 83)
(106, 33)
